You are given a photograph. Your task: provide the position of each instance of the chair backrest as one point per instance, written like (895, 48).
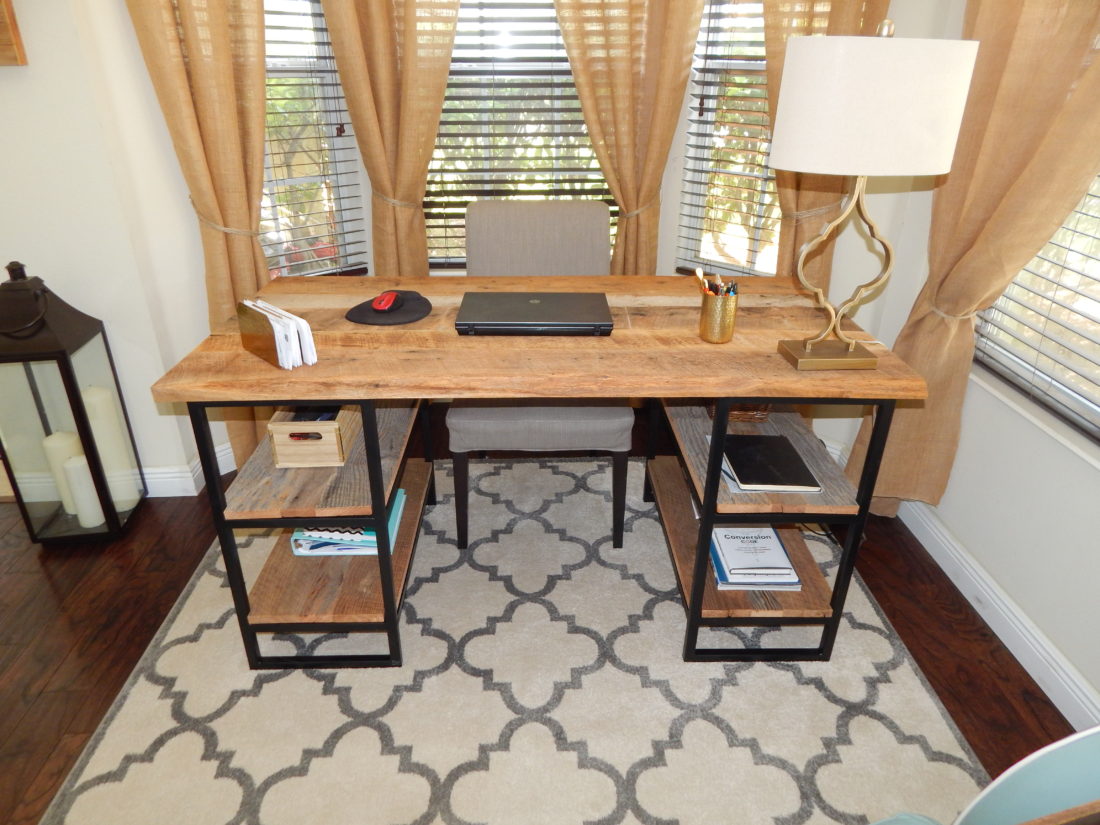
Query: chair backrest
(544, 237)
(1060, 776)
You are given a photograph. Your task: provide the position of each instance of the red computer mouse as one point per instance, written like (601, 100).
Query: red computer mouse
(387, 301)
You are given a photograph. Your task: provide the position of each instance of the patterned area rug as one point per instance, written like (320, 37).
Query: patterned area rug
(542, 684)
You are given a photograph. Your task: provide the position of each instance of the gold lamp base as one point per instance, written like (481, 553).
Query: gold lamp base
(828, 355)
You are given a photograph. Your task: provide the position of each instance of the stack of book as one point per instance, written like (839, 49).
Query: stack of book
(751, 558)
(308, 541)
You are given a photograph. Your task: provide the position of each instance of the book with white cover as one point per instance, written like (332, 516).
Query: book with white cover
(751, 557)
(306, 541)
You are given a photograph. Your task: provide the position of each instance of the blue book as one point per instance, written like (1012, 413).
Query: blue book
(307, 541)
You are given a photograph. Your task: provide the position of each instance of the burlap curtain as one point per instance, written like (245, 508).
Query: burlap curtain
(206, 61)
(393, 57)
(808, 202)
(1028, 149)
(630, 61)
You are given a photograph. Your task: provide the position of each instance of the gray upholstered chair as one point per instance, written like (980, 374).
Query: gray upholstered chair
(520, 238)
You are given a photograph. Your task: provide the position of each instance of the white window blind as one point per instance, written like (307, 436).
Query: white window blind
(312, 217)
(511, 125)
(729, 210)
(1043, 334)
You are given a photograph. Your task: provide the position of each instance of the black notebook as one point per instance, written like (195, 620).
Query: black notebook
(768, 462)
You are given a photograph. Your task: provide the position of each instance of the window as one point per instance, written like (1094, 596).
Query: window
(511, 123)
(729, 219)
(1043, 334)
(311, 215)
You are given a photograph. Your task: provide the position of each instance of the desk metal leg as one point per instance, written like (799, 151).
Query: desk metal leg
(200, 423)
(884, 413)
(884, 410)
(654, 417)
(708, 507)
(424, 413)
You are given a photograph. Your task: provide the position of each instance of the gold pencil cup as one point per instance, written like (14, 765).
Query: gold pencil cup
(716, 318)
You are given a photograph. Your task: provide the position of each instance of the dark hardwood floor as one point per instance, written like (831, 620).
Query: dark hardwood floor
(74, 619)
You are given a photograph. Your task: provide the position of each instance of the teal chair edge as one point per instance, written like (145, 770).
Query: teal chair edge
(907, 819)
(1053, 779)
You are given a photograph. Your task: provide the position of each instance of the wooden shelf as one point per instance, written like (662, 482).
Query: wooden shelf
(691, 426)
(263, 491)
(330, 589)
(674, 501)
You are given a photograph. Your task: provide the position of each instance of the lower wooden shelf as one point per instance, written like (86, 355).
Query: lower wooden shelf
(331, 589)
(674, 503)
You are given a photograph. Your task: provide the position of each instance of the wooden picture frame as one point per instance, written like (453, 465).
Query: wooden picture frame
(11, 44)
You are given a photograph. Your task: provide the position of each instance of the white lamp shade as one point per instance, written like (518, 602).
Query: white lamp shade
(871, 105)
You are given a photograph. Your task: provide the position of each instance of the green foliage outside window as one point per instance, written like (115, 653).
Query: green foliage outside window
(298, 213)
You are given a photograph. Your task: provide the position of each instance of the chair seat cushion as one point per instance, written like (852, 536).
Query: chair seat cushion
(539, 428)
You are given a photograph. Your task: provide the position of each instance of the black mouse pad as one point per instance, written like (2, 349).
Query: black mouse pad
(414, 306)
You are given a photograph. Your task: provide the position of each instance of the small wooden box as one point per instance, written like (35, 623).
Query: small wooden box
(313, 443)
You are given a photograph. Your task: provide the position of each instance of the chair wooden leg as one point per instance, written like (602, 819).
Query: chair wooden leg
(462, 495)
(618, 497)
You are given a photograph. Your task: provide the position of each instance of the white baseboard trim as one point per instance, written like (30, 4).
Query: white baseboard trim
(1063, 684)
(163, 482)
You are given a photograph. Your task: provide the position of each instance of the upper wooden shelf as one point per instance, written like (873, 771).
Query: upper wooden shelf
(263, 491)
(654, 351)
(692, 427)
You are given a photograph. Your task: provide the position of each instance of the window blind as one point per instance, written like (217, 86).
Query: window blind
(1043, 333)
(511, 125)
(311, 216)
(729, 209)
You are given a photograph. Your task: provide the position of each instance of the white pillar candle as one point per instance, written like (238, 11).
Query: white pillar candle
(89, 513)
(113, 445)
(58, 448)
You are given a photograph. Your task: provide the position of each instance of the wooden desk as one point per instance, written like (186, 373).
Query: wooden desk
(654, 352)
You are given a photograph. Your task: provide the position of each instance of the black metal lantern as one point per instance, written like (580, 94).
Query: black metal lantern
(66, 439)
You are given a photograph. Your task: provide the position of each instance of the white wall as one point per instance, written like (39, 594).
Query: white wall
(93, 203)
(1017, 531)
(1018, 528)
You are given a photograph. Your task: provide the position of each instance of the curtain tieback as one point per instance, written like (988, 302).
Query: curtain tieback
(228, 230)
(392, 202)
(627, 215)
(964, 317)
(800, 216)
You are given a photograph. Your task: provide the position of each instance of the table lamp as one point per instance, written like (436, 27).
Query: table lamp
(862, 106)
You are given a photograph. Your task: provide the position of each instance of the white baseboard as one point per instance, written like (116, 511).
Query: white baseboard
(163, 482)
(1063, 684)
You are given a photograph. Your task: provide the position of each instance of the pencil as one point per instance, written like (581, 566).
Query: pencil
(702, 280)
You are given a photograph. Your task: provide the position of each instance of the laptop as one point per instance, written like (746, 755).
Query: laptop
(533, 313)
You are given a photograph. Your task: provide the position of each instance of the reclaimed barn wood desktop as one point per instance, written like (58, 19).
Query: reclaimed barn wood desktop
(654, 352)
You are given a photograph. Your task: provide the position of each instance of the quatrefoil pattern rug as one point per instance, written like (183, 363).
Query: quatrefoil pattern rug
(542, 684)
